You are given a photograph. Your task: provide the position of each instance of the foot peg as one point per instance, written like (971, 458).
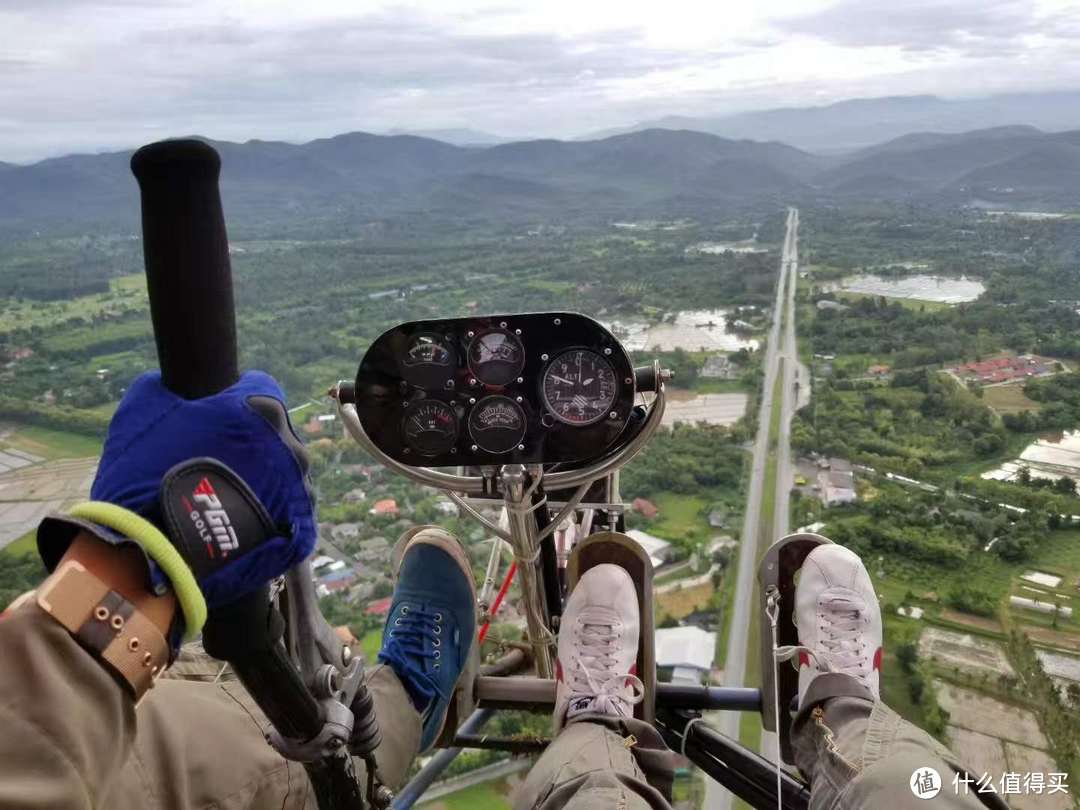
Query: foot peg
(620, 550)
(780, 685)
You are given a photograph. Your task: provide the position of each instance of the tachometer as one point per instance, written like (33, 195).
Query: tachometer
(579, 387)
(497, 424)
(429, 361)
(496, 357)
(431, 427)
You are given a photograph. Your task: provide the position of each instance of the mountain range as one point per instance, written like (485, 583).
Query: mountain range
(331, 183)
(858, 123)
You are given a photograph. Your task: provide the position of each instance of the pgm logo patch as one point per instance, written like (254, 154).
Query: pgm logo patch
(211, 520)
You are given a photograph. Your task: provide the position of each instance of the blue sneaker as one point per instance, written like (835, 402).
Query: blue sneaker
(431, 626)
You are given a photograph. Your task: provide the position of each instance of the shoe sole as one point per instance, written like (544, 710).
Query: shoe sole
(442, 539)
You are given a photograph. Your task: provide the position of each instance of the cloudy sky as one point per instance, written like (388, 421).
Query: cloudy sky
(96, 74)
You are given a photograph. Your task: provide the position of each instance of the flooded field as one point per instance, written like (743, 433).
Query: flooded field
(692, 330)
(1052, 456)
(919, 288)
(964, 651)
(977, 712)
(1064, 669)
(29, 493)
(716, 248)
(714, 409)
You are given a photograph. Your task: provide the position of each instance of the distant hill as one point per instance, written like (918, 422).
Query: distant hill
(329, 186)
(1005, 164)
(857, 123)
(328, 183)
(457, 137)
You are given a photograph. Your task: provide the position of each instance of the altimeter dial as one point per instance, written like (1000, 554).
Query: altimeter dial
(579, 387)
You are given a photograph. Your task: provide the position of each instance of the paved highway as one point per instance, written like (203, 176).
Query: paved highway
(780, 359)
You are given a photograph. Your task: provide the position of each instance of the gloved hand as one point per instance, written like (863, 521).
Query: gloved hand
(224, 477)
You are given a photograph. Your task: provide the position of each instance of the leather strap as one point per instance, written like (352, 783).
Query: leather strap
(106, 624)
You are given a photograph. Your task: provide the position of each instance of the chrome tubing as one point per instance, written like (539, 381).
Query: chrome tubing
(525, 538)
(471, 484)
(573, 478)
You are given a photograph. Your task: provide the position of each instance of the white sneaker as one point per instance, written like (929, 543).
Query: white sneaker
(838, 618)
(596, 669)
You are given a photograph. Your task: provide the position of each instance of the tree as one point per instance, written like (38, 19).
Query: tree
(1065, 485)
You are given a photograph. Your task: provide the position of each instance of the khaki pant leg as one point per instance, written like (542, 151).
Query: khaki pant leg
(399, 722)
(202, 745)
(595, 765)
(861, 754)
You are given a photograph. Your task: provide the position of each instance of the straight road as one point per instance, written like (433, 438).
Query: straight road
(781, 344)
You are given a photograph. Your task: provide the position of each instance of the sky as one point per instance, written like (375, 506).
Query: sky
(90, 75)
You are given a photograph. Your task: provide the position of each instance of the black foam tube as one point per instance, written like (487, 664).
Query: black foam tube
(188, 276)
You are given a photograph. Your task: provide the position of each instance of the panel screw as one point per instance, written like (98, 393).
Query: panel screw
(614, 414)
(502, 324)
(520, 380)
(521, 447)
(629, 381)
(520, 399)
(472, 400)
(453, 450)
(607, 350)
(407, 450)
(517, 331)
(544, 357)
(558, 321)
(472, 381)
(474, 448)
(470, 334)
(450, 384)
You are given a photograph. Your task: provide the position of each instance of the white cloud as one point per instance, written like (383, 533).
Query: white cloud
(89, 74)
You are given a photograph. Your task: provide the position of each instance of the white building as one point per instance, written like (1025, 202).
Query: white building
(659, 551)
(688, 651)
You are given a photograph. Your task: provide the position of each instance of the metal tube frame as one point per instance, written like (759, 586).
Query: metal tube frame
(414, 790)
(519, 484)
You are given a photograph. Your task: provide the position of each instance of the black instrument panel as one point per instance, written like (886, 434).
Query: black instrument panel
(552, 387)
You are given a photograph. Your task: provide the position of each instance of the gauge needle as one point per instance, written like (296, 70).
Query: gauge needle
(586, 382)
(557, 378)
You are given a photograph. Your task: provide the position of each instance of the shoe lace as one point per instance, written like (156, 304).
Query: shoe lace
(412, 642)
(841, 642)
(592, 673)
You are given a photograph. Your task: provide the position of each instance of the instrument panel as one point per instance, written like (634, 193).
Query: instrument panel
(535, 388)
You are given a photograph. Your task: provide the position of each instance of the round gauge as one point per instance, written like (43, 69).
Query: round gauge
(429, 361)
(496, 357)
(497, 424)
(579, 387)
(430, 427)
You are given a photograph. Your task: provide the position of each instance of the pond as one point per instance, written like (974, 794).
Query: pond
(938, 289)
